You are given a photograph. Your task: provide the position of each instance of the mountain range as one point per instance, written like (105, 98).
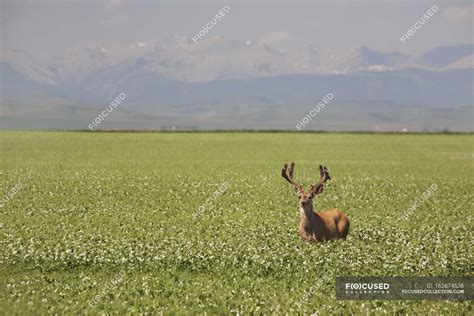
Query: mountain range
(218, 83)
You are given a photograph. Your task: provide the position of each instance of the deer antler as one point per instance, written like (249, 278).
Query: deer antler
(317, 188)
(284, 174)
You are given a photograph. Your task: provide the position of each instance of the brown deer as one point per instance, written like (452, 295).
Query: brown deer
(317, 226)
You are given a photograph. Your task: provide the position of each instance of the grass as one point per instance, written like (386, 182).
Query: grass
(111, 222)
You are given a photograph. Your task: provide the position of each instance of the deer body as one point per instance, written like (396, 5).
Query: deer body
(317, 226)
(320, 226)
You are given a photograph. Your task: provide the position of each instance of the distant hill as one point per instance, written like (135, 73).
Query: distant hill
(230, 84)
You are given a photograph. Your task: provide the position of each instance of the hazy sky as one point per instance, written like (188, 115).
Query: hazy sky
(47, 28)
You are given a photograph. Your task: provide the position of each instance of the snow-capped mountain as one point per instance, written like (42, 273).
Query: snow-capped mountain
(179, 58)
(176, 76)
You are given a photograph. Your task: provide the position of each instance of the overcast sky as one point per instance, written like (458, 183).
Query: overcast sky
(50, 28)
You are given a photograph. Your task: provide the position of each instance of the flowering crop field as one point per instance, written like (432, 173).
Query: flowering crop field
(203, 222)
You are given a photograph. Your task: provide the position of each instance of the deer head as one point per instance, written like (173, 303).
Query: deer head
(305, 197)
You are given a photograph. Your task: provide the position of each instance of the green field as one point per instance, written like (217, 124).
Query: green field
(111, 222)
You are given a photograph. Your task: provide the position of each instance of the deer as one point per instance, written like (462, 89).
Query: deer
(317, 226)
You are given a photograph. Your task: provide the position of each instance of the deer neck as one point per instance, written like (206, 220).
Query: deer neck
(307, 214)
(309, 223)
